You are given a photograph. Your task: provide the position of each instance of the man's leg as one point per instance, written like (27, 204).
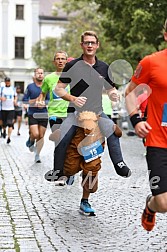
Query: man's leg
(107, 128)
(66, 131)
(90, 185)
(10, 119)
(157, 202)
(60, 151)
(58, 133)
(19, 121)
(40, 141)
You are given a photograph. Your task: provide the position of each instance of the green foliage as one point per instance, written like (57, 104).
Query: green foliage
(43, 53)
(136, 21)
(134, 53)
(127, 29)
(85, 17)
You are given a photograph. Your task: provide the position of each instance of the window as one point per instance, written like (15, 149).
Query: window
(20, 12)
(19, 47)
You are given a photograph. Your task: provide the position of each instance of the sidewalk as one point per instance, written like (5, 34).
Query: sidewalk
(36, 216)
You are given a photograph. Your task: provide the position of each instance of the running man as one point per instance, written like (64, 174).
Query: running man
(151, 71)
(37, 114)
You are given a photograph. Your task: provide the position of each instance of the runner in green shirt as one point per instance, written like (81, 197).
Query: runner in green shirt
(57, 107)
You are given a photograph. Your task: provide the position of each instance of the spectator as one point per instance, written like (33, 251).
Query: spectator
(18, 109)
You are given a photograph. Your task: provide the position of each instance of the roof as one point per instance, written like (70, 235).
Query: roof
(46, 8)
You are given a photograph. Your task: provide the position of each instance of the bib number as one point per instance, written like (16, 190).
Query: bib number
(164, 116)
(92, 151)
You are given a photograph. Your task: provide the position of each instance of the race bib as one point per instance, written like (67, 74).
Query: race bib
(92, 151)
(164, 116)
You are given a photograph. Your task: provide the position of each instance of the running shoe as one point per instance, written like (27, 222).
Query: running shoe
(122, 169)
(148, 218)
(37, 158)
(86, 207)
(30, 144)
(8, 140)
(70, 180)
(4, 134)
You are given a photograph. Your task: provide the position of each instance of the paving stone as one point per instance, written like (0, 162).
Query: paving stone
(45, 218)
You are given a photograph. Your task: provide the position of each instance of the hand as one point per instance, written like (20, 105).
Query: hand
(113, 95)
(80, 101)
(142, 129)
(3, 98)
(40, 104)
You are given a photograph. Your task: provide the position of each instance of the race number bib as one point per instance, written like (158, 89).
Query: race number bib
(164, 116)
(92, 151)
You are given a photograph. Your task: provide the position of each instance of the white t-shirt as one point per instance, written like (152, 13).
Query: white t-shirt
(9, 93)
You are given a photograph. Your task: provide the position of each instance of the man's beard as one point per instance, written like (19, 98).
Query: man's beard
(39, 80)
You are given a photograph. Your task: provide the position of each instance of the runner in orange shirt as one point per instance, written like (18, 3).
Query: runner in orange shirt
(151, 73)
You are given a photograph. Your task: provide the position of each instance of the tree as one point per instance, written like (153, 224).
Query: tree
(134, 21)
(43, 53)
(85, 17)
(126, 29)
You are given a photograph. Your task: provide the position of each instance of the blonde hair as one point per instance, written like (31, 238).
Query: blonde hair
(89, 33)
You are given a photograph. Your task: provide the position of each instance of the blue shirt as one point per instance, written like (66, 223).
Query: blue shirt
(32, 92)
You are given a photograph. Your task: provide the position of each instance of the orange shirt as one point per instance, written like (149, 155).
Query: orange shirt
(152, 70)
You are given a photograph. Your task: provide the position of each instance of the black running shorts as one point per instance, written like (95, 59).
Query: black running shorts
(157, 167)
(37, 121)
(7, 118)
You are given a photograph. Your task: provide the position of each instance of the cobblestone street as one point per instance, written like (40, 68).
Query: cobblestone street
(37, 216)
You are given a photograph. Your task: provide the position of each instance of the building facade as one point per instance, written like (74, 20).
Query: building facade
(22, 24)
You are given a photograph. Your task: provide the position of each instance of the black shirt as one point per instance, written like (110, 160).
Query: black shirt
(86, 80)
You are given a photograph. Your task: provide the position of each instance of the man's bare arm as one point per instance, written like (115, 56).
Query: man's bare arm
(131, 99)
(142, 128)
(61, 91)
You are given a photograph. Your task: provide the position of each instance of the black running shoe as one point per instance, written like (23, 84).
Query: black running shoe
(122, 169)
(4, 134)
(8, 140)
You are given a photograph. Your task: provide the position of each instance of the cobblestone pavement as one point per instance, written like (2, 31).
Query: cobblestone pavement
(37, 216)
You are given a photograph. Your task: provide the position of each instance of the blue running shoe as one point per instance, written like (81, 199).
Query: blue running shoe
(85, 207)
(70, 180)
(28, 142)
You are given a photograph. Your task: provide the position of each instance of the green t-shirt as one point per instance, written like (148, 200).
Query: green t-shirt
(106, 104)
(56, 106)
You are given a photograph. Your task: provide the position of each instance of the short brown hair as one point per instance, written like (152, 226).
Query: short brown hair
(61, 51)
(89, 33)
